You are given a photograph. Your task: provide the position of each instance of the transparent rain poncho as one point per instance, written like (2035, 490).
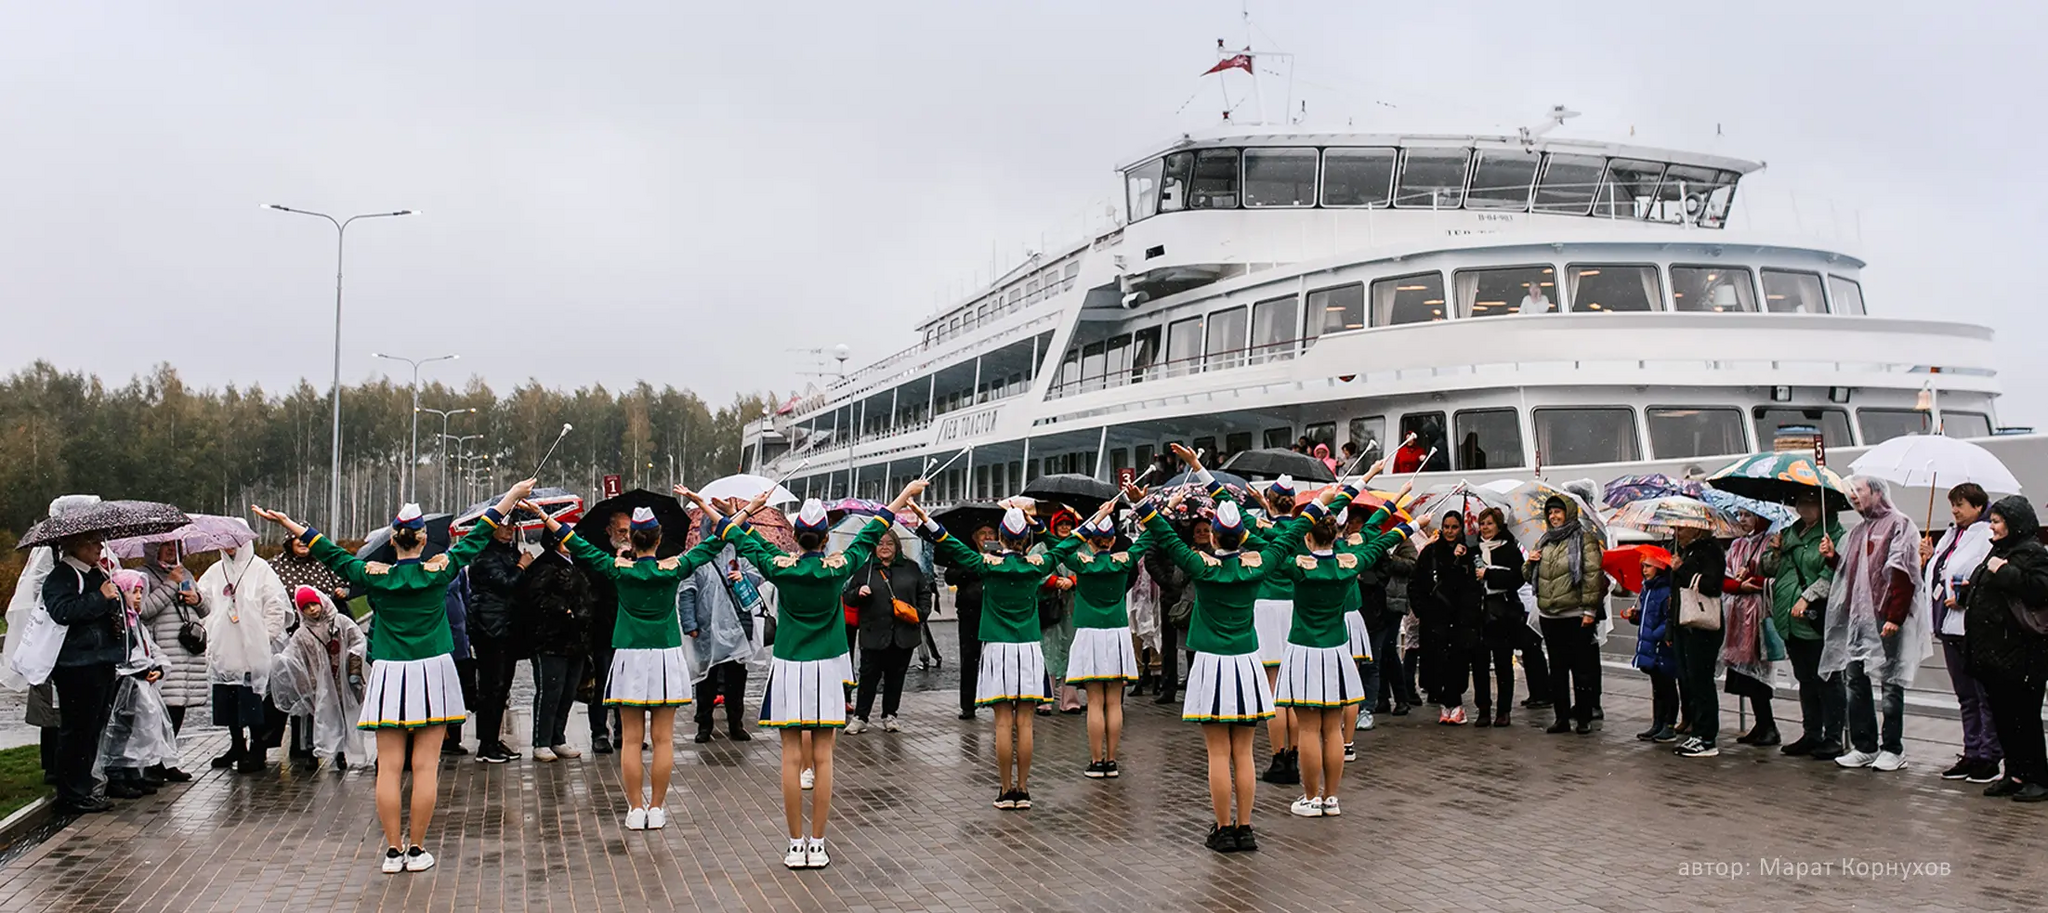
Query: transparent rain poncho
(1886, 541)
(728, 639)
(139, 733)
(320, 673)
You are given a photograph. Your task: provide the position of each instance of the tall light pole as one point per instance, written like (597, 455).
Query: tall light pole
(340, 233)
(412, 474)
(441, 444)
(462, 441)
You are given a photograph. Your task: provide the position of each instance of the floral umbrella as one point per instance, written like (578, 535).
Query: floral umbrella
(206, 533)
(107, 520)
(1660, 516)
(1440, 499)
(1640, 488)
(1779, 515)
(1780, 475)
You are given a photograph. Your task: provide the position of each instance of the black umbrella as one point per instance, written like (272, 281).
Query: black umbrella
(1272, 464)
(963, 519)
(675, 523)
(107, 520)
(377, 546)
(1082, 493)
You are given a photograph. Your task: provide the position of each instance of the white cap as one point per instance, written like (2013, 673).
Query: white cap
(812, 514)
(1014, 523)
(1228, 517)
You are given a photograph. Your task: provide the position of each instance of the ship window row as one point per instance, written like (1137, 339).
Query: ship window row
(1038, 287)
(1510, 180)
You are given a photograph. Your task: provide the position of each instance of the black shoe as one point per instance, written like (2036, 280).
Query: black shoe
(252, 763)
(1094, 771)
(1165, 697)
(87, 806)
(1109, 770)
(1665, 735)
(1381, 707)
(1399, 710)
(1277, 771)
(1961, 770)
(2031, 792)
(122, 789)
(1006, 800)
(739, 735)
(967, 714)
(600, 744)
(1649, 735)
(507, 752)
(1802, 745)
(1826, 751)
(1023, 799)
(491, 754)
(1584, 727)
(1501, 721)
(1559, 727)
(174, 775)
(1221, 839)
(1537, 703)
(227, 760)
(153, 777)
(1246, 843)
(452, 746)
(340, 762)
(1768, 738)
(2002, 788)
(1483, 719)
(703, 737)
(1293, 772)
(1984, 772)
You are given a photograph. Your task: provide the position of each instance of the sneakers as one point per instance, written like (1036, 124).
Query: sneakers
(1109, 769)
(1095, 771)
(889, 724)
(1961, 770)
(1276, 772)
(1984, 772)
(1855, 759)
(418, 859)
(657, 818)
(394, 861)
(2002, 788)
(807, 779)
(1350, 752)
(493, 753)
(1889, 761)
(1365, 721)
(565, 752)
(1665, 735)
(1221, 839)
(1023, 800)
(544, 754)
(1330, 809)
(1246, 843)
(814, 854)
(856, 726)
(1696, 747)
(796, 858)
(636, 819)
(1306, 807)
(1006, 800)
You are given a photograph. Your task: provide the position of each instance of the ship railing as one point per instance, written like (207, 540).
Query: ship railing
(871, 377)
(1181, 367)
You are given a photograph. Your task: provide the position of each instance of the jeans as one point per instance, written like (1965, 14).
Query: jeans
(1980, 733)
(2016, 710)
(1573, 655)
(554, 697)
(884, 666)
(1378, 684)
(730, 680)
(1535, 669)
(85, 700)
(604, 723)
(970, 656)
(1663, 701)
(495, 664)
(1863, 713)
(1699, 699)
(1498, 654)
(1823, 705)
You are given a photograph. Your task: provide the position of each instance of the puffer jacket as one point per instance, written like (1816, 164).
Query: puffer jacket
(184, 683)
(1999, 649)
(1653, 639)
(493, 588)
(1550, 574)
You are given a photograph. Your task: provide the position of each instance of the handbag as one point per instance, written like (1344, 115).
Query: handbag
(905, 612)
(1698, 611)
(191, 634)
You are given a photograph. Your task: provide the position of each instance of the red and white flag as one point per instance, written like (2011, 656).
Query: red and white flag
(1239, 62)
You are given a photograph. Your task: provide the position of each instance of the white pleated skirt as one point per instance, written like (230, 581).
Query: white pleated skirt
(1013, 672)
(1359, 639)
(1272, 618)
(807, 694)
(412, 694)
(1227, 689)
(654, 677)
(1319, 677)
(1102, 655)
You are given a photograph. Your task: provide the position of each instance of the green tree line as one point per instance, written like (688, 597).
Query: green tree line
(219, 450)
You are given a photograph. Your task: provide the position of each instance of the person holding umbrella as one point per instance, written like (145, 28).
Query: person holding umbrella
(79, 594)
(1801, 580)
(412, 692)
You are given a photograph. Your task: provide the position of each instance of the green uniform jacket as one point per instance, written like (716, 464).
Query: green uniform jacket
(1104, 581)
(810, 621)
(1225, 586)
(1797, 571)
(647, 588)
(1326, 586)
(1009, 586)
(410, 596)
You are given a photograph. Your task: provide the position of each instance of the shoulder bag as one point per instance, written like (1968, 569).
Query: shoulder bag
(905, 612)
(191, 634)
(1697, 611)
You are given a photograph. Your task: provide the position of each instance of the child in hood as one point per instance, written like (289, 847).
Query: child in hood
(1654, 656)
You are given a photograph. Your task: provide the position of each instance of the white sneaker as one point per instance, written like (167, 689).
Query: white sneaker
(808, 778)
(1330, 809)
(636, 820)
(1857, 759)
(657, 818)
(567, 752)
(856, 726)
(1889, 761)
(1350, 752)
(1306, 807)
(1365, 721)
(796, 858)
(814, 853)
(544, 754)
(418, 859)
(394, 860)
(889, 724)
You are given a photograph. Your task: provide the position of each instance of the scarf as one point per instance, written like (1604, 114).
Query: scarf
(1574, 539)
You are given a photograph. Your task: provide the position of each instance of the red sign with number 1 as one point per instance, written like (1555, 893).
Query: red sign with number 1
(612, 487)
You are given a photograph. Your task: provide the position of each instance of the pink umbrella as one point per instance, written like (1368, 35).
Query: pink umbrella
(206, 533)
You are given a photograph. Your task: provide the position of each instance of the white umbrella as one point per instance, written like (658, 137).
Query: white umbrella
(1935, 460)
(744, 487)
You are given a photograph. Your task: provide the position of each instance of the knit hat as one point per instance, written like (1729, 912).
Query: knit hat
(305, 596)
(409, 517)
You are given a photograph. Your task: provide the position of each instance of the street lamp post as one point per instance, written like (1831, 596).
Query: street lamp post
(340, 233)
(461, 441)
(412, 473)
(441, 444)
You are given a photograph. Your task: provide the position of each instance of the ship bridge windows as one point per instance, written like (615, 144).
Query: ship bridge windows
(1570, 437)
(1966, 424)
(1501, 180)
(1607, 288)
(1358, 177)
(1691, 194)
(1833, 424)
(1177, 171)
(1141, 188)
(1629, 189)
(1717, 289)
(1215, 184)
(1417, 298)
(1279, 177)
(1334, 310)
(1847, 295)
(1433, 178)
(1489, 439)
(1569, 183)
(1682, 432)
(1273, 325)
(1787, 292)
(1508, 290)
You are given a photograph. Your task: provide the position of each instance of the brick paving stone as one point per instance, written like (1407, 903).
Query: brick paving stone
(1436, 818)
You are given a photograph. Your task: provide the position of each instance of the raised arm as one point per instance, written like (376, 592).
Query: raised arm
(472, 544)
(1167, 542)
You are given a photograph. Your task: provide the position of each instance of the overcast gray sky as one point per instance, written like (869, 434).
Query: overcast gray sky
(603, 183)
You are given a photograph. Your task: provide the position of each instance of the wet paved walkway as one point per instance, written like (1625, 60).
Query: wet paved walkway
(1436, 819)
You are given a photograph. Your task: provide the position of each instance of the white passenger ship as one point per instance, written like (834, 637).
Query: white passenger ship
(1525, 304)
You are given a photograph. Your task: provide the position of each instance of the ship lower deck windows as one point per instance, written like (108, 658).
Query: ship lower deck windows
(1712, 288)
(1681, 432)
(1415, 298)
(1224, 346)
(1433, 178)
(1608, 288)
(1358, 177)
(1832, 423)
(1320, 433)
(1277, 438)
(1847, 295)
(1363, 431)
(1570, 437)
(1273, 324)
(1489, 439)
(1279, 177)
(1881, 425)
(1787, 292)
(1513, 290)
(1333, 310)
(1428, 451)
(1236, 442)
